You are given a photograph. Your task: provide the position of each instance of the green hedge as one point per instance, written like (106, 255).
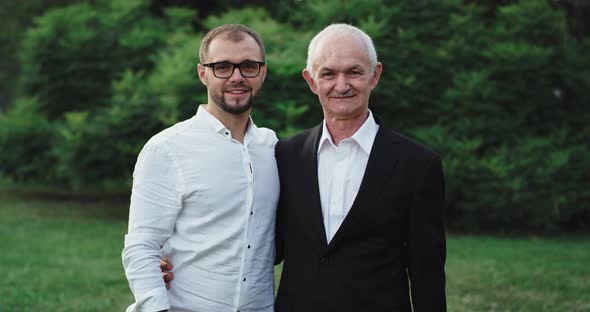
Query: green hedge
(500, 91)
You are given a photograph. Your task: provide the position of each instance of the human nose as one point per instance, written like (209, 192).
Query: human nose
(342, 85)
(236, 75)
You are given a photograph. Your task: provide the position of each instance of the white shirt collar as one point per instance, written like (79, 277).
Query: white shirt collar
(211, 122)
(364, 136)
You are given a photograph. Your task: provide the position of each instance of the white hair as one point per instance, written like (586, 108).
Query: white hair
(340, 30)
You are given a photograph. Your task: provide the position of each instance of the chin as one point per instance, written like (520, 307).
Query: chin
(237, 108)
(347, 111)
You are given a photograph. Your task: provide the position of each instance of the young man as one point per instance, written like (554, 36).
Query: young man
(205, 192)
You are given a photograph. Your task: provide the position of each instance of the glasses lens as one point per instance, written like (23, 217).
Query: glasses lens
(249, 69)
(223, 69)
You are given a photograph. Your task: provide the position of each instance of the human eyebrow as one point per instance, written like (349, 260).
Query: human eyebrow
(326, 73)
(358, 68)
(325, 70)
(230, 62)
(216, 62)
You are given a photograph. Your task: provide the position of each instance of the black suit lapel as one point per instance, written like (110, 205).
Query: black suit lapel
(310, 177)
(380, 165)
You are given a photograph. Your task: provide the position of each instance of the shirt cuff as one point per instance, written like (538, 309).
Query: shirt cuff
(154, 300)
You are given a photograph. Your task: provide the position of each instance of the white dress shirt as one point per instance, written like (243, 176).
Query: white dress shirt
(340, 172)
(205, 202)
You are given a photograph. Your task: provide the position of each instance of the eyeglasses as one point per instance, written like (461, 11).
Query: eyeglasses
(224, 70)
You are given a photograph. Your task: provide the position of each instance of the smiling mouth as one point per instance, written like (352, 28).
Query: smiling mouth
(237, 91)
(342, 97)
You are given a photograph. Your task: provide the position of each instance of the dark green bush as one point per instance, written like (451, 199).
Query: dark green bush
(72, 54)
(26, 142)
(500, 91)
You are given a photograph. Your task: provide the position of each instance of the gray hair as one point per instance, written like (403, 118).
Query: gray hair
(340, 30)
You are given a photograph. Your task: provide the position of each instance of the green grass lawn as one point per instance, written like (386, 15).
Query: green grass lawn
(61, 256)
(65, 256)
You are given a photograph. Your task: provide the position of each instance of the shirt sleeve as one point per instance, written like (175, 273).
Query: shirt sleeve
(156, 200)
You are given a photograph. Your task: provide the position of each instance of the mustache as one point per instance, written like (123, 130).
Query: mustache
(342, 94)
(236, 86)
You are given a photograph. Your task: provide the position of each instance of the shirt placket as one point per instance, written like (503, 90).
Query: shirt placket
(337, 189)
(249, 211)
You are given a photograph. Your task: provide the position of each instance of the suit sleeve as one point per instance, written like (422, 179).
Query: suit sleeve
(426, 241)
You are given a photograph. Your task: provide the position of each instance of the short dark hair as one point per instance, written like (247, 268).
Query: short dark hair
(235, 33)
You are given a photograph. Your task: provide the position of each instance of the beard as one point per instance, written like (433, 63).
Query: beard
(234, 109)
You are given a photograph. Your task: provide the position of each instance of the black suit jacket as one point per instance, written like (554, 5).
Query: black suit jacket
(391, 240)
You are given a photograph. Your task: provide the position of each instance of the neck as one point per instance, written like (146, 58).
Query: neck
(237, 124)
(343, 128)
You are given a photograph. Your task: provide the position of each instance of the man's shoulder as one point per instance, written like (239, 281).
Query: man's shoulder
(266, 136)
(407, 145)
(167, 136)
(300, 137)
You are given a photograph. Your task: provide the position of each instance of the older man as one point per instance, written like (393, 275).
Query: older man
(360, 216)
(205, 192)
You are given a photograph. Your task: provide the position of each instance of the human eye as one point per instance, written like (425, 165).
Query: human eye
(249, 67)
(354, 73)
(326, 74)
(222, 67)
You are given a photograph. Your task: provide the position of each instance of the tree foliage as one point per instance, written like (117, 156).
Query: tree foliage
(499, 88)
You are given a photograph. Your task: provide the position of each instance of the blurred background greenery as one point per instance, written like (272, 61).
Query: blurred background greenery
(500, 88)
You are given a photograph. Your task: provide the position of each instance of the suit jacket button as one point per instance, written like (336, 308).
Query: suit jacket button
(322, 259)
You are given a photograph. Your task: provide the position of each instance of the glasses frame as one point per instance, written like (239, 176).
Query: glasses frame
(235, 65)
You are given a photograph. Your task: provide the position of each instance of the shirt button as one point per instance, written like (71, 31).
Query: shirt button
(248, 246)
(251, 212)
(244, 279)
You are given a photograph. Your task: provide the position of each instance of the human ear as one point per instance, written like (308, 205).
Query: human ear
(201, 72)
(263, 73)
(376, 75)
(310, 81)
